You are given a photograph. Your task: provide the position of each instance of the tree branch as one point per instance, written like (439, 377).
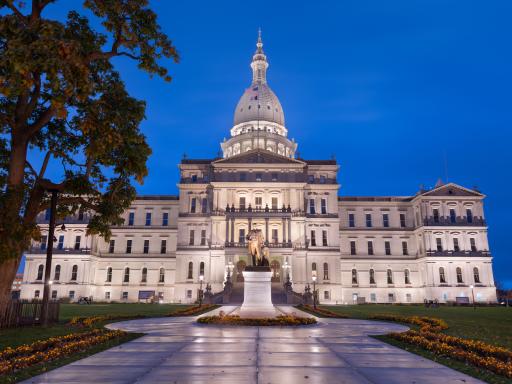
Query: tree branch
(40, 123)
(45, 164)
(31, 168)
(16, 11)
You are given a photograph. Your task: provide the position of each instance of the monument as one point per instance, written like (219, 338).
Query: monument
(257, 284)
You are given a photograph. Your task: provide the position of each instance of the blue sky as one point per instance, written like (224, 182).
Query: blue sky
(401, 92)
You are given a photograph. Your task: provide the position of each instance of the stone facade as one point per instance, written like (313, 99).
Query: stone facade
(432, 245)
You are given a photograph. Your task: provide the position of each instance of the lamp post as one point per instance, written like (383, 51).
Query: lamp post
(473, 295)
(287, 267)
(201, 278)
(314, 289)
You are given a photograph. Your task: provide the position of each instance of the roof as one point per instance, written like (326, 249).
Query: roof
(258, 156)
(157, 197)
(376, 198)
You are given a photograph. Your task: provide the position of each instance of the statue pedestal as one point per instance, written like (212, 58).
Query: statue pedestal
(257, 293)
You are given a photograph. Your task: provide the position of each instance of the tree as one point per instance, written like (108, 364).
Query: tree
(61, 96)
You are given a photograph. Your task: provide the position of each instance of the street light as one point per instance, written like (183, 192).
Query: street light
(314, 289)
(201, 278)
(473, 295)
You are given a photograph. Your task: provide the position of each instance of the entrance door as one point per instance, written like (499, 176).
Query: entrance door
(240, 266)
(276, 271)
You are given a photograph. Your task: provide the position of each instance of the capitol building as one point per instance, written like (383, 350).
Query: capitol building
(372, 249)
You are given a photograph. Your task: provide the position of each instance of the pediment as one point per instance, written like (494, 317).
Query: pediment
(258, 157)
(452, 189)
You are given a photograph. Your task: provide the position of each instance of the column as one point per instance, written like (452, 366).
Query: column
(284, 230)
(266, 230)
(227, 229)
(289, 229)
(249, 222)
(233, 230)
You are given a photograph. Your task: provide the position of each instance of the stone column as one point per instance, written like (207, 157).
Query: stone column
(284, 230)
(249, 223)
(233, 230)
(266, 230)
(227, 229)
(289, 229)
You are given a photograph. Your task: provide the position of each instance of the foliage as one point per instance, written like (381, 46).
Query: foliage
(60, 96)
(12, 359)
(284, 320)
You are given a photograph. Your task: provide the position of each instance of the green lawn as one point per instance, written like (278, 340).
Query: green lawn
(492, 325)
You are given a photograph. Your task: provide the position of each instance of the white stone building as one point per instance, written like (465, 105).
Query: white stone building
(432, 245)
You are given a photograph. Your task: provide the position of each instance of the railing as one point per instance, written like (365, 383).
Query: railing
(19, 313)
(459, 253)
(60, 251)
(459, 221)
(230, 244)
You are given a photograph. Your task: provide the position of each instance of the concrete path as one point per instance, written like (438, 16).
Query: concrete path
(177, 350)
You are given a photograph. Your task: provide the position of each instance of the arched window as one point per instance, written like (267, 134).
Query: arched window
(161, 278)
(144, 277)
(442, 277)
(326, 271)
(56, 275)
(313, 267)
(407, 276)
(74, 272)
(40, 271)
(476, 275)
(354, 276)
(460, 280)
(109, 274)
(190, 270)
(372, 276)
(201, 269)
(126, 278)
(390, 276)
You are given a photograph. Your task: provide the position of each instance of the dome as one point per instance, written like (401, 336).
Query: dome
(259, 103)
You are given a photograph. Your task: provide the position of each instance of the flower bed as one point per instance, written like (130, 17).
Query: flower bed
(193, 310)
(13, 359)
(92, 320)
(322, 312)
(426, 324)
(284, 320)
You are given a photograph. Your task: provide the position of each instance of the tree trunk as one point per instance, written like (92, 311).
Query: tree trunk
(8, 270)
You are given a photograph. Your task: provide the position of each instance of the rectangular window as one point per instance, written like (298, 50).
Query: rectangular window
(391, 297)
(387, 247)
(322, 179)
(327, 295)
(191, 237)
(77, 242)
(165, 219)
(453, 216)
(274, 203)
(439, 244)
(369, 220)
(370, 247)
(385, 220)
(124, 296)
(324, 238)
(258, 176)
(107, 295)
(60, 244)
(44, 241)
(402, 220)
(204, 205)
(148, 218)
(405, 250)
(163, 246)
(193, 205)
(408, 297)
(241, 236)
(203, 236)
(243, 176)
(241, 203)
(80, 215)
(311, 179)
(469, 215)
(128, 246)
(189, 293)
(351, 220)
(456, 246)
(275, 238)
(146, 246)
(312, 206)
(131, 218)
(353, 250)
(54, 295)
(47, 214)
(373, 297)
(323, 206)
(111, 246)
(472, 242)
(193, 178)
(435, 213)
(258, 202)
(71, 295)
(313, 238)
(37, 293)
(274, 176)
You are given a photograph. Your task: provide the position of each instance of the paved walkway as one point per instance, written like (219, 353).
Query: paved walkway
(177, 350)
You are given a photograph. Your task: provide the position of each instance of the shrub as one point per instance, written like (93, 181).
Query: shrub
(284, 320)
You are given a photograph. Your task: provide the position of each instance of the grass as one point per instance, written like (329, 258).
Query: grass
(488, 324)
(13, 337)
